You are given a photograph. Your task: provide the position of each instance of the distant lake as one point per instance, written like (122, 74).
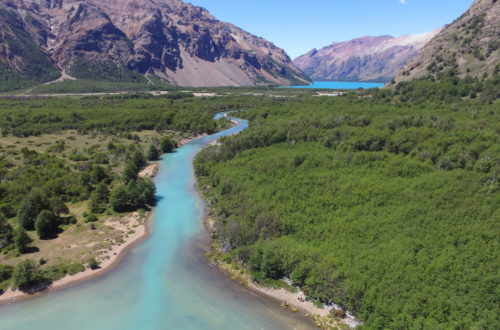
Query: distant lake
(341, 85)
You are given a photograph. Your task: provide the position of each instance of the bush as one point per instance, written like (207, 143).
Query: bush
(130, 172)
(21, 240)
(167, 145)
(32, 205)
(26, 275)
(46, 223)
(59, 271)
(91, 218)
(153, 153)
(93, 264)
(99, 198)
(5, 272)
(134, 195)
(6, 232)
(70, 220)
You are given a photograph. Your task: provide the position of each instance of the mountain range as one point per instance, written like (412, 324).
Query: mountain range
(363, 59)
(469, 46)
(136, 41)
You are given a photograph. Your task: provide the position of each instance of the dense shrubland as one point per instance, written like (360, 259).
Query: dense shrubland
(445, 86)
(386, 204)
(24, 118)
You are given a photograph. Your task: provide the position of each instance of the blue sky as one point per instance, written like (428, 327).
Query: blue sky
(299, 26)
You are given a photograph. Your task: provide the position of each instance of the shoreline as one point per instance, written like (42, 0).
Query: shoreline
(191, 138)
(288, 299)
(295, 301)
(111, 259)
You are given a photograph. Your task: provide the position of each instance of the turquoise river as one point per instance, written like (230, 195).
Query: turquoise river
(164, 282)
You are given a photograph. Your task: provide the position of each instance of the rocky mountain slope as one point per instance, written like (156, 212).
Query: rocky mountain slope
(22, 61)
(366, 58)
(470, 46)
(123, 40)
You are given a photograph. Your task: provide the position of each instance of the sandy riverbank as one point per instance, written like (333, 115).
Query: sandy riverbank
(112, 257)
(149, 171)
(295, 300)
(107, 260)
(191, 138)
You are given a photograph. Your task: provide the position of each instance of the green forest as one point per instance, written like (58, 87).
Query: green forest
(384, 202)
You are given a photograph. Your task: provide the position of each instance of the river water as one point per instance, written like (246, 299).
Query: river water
(163, 283)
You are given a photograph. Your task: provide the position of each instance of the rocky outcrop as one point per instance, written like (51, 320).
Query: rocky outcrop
(363, 59)
(125, 39)
(22, 61)
(470, 46)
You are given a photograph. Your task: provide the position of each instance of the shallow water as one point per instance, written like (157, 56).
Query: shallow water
(341, 85)
(163, 283)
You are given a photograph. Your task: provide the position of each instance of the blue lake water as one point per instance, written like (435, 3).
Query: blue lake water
(341, 85)
(163, 283)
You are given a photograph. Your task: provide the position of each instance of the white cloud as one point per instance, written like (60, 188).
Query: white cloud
(402, 2)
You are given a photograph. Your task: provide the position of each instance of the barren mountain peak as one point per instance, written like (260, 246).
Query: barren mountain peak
(365, 58)
(123, 39)
(466, 47)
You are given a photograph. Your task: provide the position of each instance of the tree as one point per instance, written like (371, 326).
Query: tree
(167, 145)
(21, 239)
(26, 275)
(138, 159)
(58, 207)
(153, 153)
(5, 272)
(5, 232)
(137, 193)
(32, 205)
(45, 224)
(147, 192)
(130, 172)
(98, 174)
(99, 198)
(141, 193)
(119, 199)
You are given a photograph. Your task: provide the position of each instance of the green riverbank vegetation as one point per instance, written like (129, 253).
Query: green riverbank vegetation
(386, 203)
(69, 184)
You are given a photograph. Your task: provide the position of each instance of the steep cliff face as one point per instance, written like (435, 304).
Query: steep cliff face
(22, 61)
(470, 46)
(124, 39)
(367, 58)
